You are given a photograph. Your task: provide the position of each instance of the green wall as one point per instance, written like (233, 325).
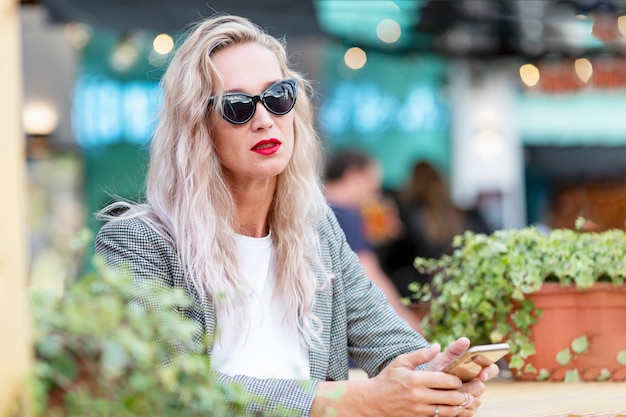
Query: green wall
(393, 108)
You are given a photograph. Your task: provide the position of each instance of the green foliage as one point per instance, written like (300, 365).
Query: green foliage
(564, 357)
(543, 375)
(580, 345)
(604, 375)
(572, 376)
(101, 351)
(480, 290)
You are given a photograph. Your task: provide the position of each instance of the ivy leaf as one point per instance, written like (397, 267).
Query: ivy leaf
(530, 369)
(572, 376)
(580, 345)
(50, 347)
(114, 359)
(414, 287)
(564, 357)
(516, 362)
(543, 374)
(605, 374)
(63, 367)
(496, 337)
(621, 357)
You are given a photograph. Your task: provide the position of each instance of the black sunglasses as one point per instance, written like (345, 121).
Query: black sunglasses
(279, 99)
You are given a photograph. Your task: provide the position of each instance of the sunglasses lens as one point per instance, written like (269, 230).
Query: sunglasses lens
(238, 108)
(280, 98)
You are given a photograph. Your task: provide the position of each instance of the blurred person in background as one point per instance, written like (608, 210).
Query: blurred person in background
(235, 216)
(431, 220)
(352, 181)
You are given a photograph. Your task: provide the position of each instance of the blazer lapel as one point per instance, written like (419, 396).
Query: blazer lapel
(322, 308)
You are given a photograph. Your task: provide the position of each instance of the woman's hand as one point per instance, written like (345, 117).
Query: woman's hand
(405, 391)
(473, 389)
(399, 390)
(453, 351)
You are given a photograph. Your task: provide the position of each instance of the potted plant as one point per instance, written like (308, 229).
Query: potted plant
(558, 299)
(99, 352)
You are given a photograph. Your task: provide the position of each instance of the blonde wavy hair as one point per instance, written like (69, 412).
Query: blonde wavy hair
(190, 204)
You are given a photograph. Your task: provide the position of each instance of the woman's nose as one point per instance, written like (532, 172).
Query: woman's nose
(262, 117)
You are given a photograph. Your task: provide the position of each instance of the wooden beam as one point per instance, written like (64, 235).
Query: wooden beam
(15, 356)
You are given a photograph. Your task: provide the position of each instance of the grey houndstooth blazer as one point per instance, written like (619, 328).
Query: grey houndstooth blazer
(357, 319)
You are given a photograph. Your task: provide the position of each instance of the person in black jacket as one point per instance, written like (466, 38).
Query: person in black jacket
(431, 220)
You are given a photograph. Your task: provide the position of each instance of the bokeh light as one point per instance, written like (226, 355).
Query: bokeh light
(388, 30)
(583, 68)
(529, 74)
(355, 58)
(163, 44)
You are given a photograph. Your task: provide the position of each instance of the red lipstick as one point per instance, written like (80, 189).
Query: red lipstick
(266, 146)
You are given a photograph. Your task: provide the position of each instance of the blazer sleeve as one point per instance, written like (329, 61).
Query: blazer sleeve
(131, 243)
(376, 334)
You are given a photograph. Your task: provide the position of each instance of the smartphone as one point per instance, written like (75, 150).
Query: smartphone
(468, 365)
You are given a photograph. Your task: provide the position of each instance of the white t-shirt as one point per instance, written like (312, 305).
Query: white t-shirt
(263, 346)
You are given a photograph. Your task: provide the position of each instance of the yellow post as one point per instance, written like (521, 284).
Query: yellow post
(15, 356)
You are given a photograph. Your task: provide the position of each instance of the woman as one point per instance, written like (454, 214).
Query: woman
(236, 216)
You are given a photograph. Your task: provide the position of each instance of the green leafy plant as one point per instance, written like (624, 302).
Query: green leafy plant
(579, 346)
(100, 352)
(481, 289)
(565, 357)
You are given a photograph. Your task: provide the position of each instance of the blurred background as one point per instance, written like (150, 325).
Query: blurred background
(519, 104)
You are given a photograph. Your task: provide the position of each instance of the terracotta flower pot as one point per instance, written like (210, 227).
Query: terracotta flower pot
(420, 309)
(599, 313)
